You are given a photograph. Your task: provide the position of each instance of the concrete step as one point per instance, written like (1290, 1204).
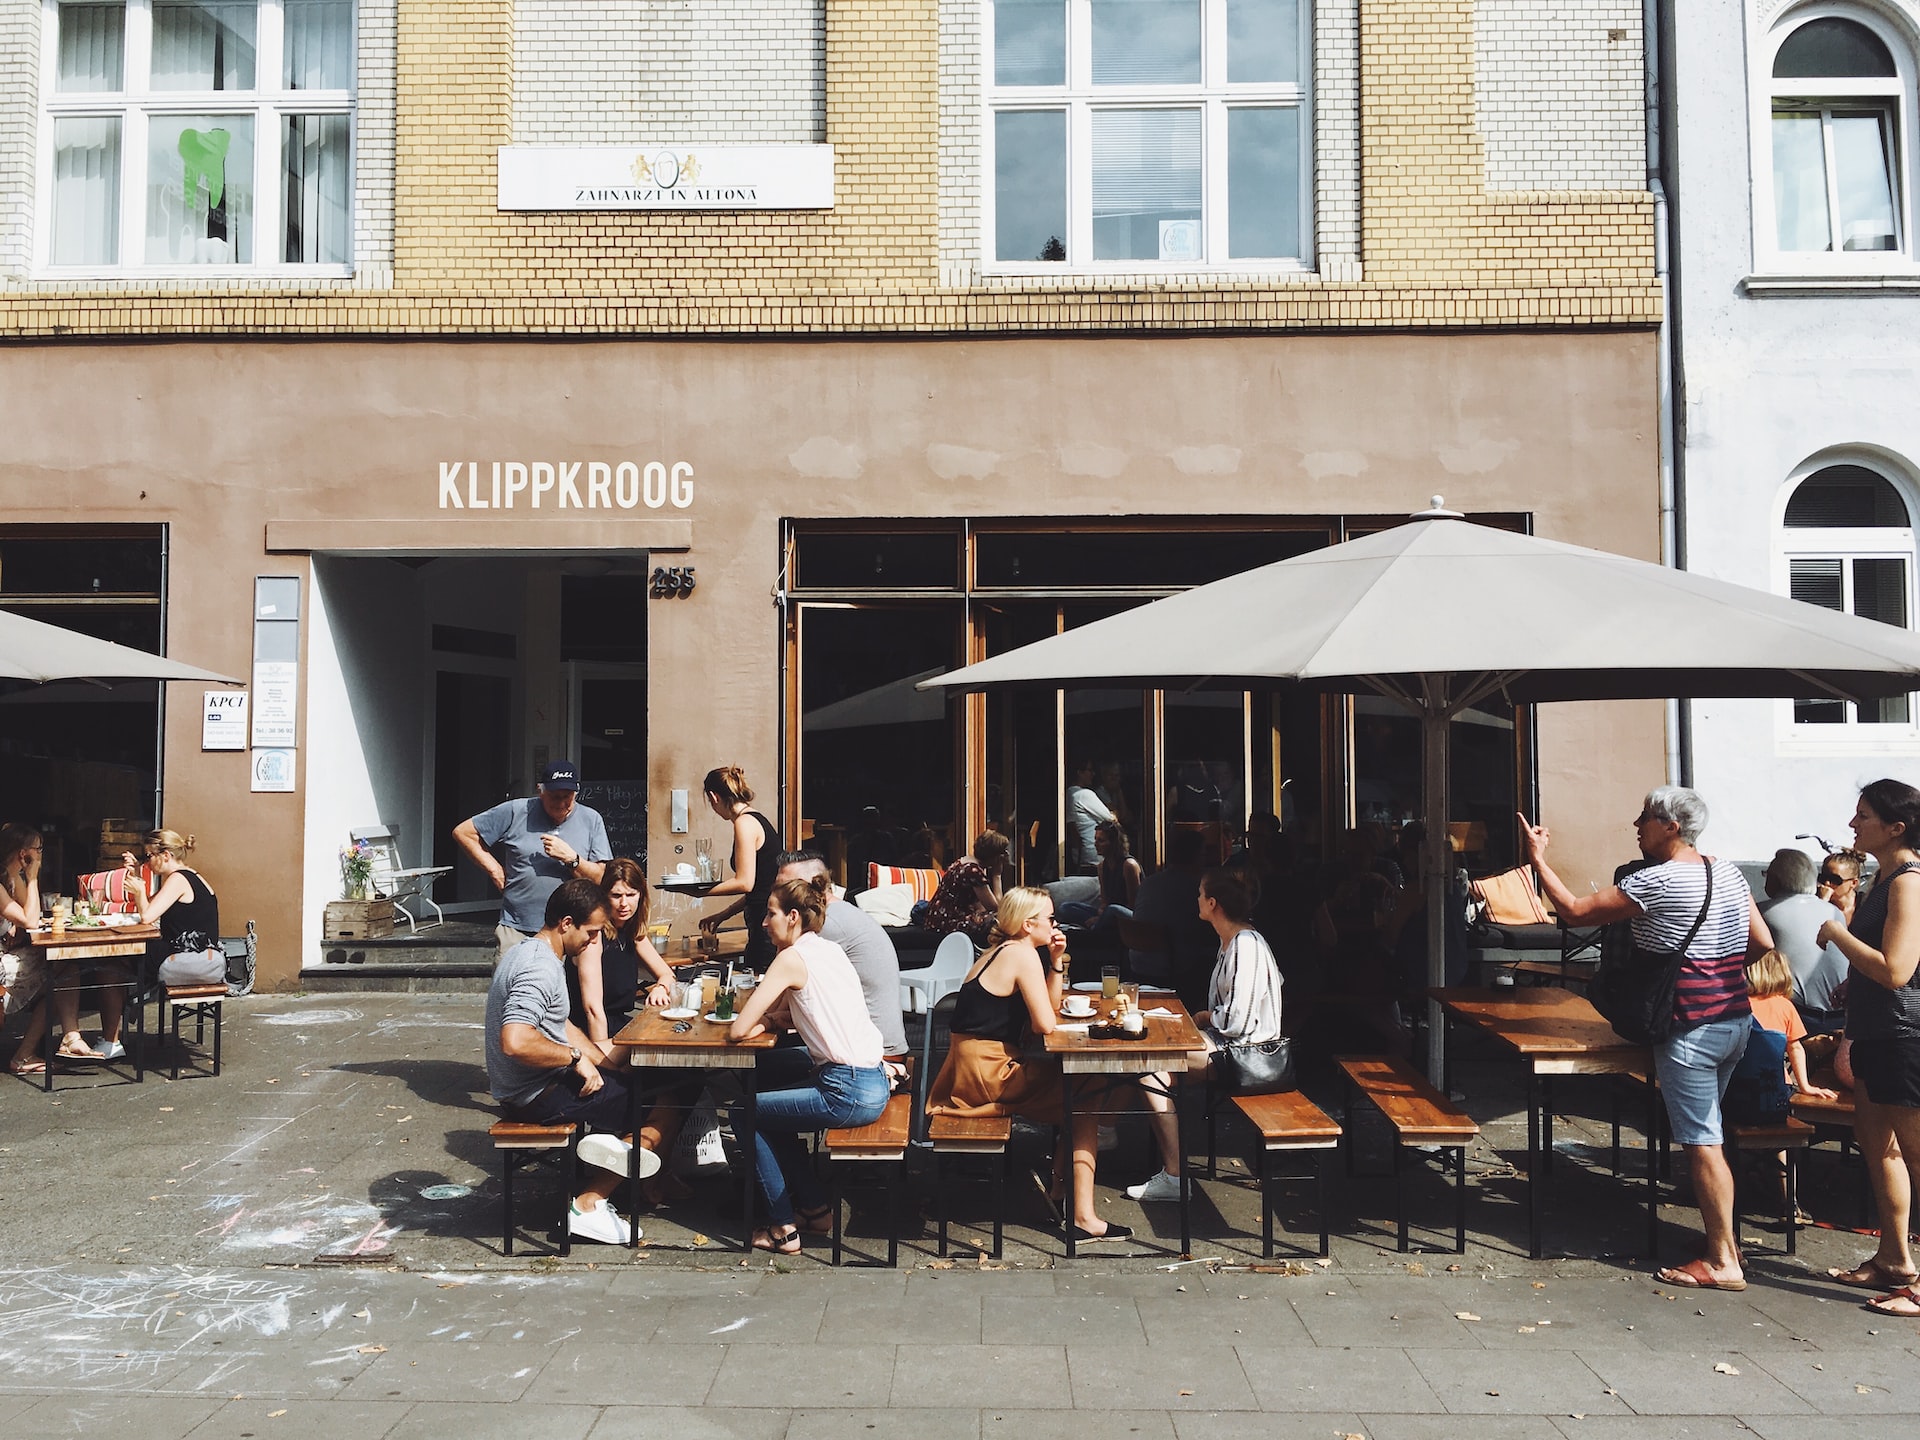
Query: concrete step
(454, 957)
(396, 979)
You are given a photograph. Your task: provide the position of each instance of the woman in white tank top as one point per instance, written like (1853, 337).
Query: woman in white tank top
(838, 1079)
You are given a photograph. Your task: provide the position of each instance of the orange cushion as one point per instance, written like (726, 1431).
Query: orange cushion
(109, 887)
(1511, 899)
(924, 882)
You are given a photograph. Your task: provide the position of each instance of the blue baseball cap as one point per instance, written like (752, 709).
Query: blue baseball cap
(560, 775)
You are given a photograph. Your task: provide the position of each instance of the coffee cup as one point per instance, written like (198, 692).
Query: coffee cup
(683, 871)
(1133, 1022)
(1079, 1005)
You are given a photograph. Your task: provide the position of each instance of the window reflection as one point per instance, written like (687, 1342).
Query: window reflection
(877, 755)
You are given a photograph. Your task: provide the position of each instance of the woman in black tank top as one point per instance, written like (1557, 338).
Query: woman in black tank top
(986, 1070)
(1882, 945)
(756, 846)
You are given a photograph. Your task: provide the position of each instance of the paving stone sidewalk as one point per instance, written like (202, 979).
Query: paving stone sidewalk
(165, 1266)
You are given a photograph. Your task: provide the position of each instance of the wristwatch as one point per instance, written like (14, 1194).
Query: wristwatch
(573, 1054)
(573, 864)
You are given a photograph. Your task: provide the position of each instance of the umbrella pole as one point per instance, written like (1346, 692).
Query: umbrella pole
(1437, 861)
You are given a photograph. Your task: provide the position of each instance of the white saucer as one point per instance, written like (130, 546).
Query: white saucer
(678, 1012)
(715, 1018)
(1087, 987)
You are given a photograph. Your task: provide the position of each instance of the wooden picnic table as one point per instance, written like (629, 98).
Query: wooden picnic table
(654, 1042)
(1163, 1045)
(1555, 1032)
(86, 943)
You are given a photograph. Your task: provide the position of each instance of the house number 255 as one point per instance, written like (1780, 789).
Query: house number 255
(671, 583)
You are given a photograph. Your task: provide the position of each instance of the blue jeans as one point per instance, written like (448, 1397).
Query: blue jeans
(806, 1099)
(1695, 1067)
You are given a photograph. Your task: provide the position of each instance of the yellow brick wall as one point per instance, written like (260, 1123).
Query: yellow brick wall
(1437, 249)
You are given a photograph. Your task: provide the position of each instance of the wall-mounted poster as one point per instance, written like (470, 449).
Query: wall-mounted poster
(223, 720)
(273, 770)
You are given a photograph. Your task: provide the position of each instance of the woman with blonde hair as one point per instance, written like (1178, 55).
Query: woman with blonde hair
(755, 844)
(1012, 993)
(22, 972)
(837, 1079)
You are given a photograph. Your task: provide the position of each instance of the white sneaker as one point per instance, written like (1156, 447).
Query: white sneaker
(609, 1152)
(1157, 1186)
(1109, 1138)
(599, 1223)
(111, 1050)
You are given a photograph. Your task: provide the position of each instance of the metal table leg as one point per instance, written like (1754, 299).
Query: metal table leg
(750, 1149)
(1186, 1180)
(1066, 1139)
(1536, 1175)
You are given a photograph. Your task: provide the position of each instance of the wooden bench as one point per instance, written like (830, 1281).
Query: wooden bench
(1789, 1135)
(1286, 1122)
(884, 1141)
(970, 1135)
(521, 1144)
(203, 1003)
(1419, 1115)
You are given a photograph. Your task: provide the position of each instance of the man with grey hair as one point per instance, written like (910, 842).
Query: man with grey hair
(1795, 914)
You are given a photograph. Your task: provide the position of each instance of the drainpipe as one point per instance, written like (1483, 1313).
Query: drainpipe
(1672, 531)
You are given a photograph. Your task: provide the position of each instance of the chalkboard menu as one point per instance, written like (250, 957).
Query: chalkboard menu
(623, 806)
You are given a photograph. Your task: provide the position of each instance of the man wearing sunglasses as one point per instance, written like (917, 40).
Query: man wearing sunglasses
(1795, 914)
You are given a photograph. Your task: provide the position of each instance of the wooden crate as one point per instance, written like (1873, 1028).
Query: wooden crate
(358, 920)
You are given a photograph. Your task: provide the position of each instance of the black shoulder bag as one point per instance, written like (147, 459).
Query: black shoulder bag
(1633, 990)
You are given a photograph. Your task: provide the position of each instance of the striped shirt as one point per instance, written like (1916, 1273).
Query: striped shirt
(1244, 996)
(1713, 982)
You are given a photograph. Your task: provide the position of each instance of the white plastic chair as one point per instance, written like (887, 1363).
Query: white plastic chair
(920, 990)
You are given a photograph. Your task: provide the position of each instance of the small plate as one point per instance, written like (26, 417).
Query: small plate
(1070, 1015)
(715, 1018)
(679, 1012)
(1087, 987)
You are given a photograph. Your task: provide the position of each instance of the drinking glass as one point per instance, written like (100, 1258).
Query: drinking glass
(709, 993)
(1109, 981)
(723, 1004)
(1129, 996)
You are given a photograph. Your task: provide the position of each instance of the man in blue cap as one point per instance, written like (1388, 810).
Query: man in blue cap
(529, 847)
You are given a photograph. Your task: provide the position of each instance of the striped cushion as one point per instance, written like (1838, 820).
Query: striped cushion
(924, 882)
(1511, 899)
(109, 887)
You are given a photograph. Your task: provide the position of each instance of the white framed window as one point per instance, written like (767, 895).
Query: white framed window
(1847, 543)
(186, 137)
(1833, 192)
(1147, 134)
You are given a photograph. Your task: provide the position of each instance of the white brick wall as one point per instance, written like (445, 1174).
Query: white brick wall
(611, 72)
(19, 100)
(1336, 152)
(1559, 94)
(373, 145)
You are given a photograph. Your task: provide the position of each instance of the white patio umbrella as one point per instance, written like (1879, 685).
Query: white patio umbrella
(35, 651)
(1441, 614)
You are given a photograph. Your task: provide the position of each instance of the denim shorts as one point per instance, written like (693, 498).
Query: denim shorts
(1694, 1068)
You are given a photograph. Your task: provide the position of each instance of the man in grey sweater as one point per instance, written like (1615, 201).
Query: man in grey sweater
(867, 944)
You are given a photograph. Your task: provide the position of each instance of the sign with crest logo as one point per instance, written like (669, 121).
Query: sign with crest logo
(666, 177)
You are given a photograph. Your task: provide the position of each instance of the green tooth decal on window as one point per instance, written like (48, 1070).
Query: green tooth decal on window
(203, 156)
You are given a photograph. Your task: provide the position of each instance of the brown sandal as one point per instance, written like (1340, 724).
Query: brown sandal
(787, 1244)
(1870, 1274)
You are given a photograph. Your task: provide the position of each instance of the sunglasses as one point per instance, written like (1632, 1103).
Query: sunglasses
(1827, 877)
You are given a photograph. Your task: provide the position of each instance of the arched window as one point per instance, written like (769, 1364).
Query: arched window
(1840, 93)
(1849, 547)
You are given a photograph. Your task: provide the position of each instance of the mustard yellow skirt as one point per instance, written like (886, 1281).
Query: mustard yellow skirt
(991, 1077)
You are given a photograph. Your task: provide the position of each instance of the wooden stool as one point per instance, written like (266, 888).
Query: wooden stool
(884, 1141)
(1789, 1135)
(521, 1144)
(1419, 1115)
(1288, 1122)
(971, 1135)
(203, 1003)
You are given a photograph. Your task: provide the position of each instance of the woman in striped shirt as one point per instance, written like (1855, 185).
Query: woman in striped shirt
(1711, 1016)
